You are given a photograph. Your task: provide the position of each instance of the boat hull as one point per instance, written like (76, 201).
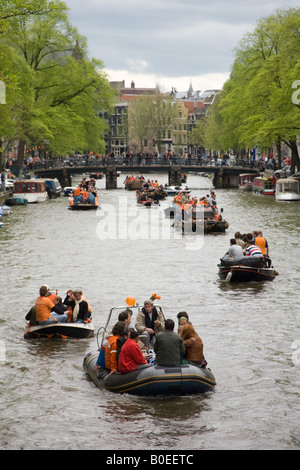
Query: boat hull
(186, 379)
(60, 330)
(241, 273)
(205, 226)
(83, 207)
(245, 187)
(14, 201)
(33, 198)
(288, 197)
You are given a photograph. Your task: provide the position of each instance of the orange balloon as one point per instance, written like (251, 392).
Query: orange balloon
(130, 301)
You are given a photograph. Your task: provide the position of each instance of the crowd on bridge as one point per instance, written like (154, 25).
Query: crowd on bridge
(90, 159)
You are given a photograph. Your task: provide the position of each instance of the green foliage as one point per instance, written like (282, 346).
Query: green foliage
(256, 105)
(54, 91)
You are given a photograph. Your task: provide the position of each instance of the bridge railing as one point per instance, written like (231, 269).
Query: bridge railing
(74, 162)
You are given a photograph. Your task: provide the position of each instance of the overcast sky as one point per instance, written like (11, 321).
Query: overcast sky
(168, 42)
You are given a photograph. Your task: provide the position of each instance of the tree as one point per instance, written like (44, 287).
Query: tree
(256, 106)
(61, 91)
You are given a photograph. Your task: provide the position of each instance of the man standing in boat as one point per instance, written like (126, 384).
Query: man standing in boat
(149, 321)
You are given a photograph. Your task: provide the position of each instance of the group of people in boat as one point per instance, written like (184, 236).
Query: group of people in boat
(50, 308)
(186, 206)
(126, 347)
(139, 180)
(85, 193)
(248, 244)
(151, 191)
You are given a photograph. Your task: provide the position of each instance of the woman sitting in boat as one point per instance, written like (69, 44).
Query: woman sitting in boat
(111, 347)
(81, 310)
(43, 309)
(193, 346)
(183, 319)
(59, 307)
(149, 321)
(131, 356)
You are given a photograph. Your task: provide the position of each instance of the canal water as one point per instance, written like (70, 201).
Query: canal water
(250, 331)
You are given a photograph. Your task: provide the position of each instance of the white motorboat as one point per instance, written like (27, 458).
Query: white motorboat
(34, 190)
(287, 189)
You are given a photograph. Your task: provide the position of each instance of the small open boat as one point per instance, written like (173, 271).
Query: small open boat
(173, 190)
(84, 206)
(60, 330)
(185, 379)
(247, 269)
(200, 220)
(4, 209)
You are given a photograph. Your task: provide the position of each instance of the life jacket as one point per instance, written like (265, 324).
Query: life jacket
(111, 353)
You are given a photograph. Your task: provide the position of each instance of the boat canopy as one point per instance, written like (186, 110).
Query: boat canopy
(30, 186)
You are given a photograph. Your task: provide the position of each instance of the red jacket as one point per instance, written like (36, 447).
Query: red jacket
(130, 357)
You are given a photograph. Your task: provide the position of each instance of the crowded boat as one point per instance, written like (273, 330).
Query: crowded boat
(84, 197)
(153, 357)
(150, 193)
(247, 259)
(53, 317)
(192, 214)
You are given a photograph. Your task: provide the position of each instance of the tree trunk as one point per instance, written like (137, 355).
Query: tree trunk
(295, 161)
(278, 148)
(20, 158)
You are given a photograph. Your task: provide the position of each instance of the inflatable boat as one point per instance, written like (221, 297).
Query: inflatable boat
(60, 330)
(246, 269)
(186, 379)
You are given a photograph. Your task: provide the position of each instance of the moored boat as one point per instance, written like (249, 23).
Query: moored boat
(15, 201)
(185, 379)
(53, 188)
(246, 181)
(4, 209)
(264, 185)
(34, 190)
(287, 190)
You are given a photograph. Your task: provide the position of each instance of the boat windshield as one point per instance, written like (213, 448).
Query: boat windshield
(113, 318)
(288, 187)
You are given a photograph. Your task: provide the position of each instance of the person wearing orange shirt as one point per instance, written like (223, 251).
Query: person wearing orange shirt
(262, 243)
(43, 306)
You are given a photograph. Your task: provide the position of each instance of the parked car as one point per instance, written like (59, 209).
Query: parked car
(296, 175)
(9, 183)
(284, 172)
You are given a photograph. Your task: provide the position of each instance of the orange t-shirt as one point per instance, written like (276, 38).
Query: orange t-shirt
(43, 307)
